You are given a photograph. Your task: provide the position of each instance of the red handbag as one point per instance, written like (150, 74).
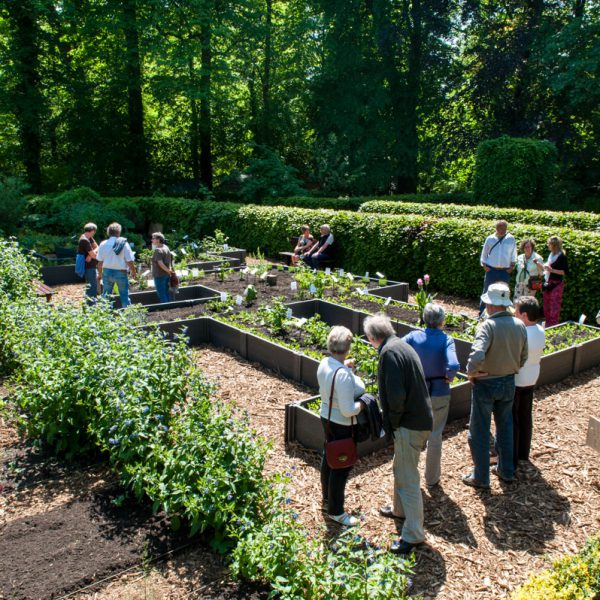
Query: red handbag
(340, 454)
(535, 283)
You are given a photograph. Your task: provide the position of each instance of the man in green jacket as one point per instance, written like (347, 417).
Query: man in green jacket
(407, 417)
(499, 351)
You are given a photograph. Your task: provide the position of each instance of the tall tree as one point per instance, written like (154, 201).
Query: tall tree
(28, 100)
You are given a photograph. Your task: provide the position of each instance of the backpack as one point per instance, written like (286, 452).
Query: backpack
(80, 265)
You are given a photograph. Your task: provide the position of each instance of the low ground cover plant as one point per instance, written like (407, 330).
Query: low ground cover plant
(574, 577)
(568, 334)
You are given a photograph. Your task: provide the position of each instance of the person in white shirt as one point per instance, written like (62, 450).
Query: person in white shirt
(115, 258)
(498, 257)
(336, 371)
(527, 310)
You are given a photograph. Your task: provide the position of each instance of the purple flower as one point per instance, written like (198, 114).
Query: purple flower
(420, 282)
(426, 278)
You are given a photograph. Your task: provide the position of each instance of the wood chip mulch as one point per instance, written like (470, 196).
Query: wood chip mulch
(479, 544)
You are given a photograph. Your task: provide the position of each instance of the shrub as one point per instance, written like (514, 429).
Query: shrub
(268, 177)
(12, 202)
(585, 221)
(514, 171)
(575, 577)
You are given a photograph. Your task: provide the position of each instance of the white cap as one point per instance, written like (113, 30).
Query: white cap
(498, 294)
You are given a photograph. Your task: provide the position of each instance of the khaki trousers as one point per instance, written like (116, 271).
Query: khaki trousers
(408, 501)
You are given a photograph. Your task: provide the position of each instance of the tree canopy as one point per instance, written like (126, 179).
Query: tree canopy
(359, 96)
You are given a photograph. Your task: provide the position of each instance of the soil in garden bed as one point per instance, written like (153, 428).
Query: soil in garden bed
(401, 312)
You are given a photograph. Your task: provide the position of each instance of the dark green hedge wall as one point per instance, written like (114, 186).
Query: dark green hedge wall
(514, 171)
(577, 220)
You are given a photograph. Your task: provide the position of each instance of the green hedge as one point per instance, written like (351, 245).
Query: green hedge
(577, 220)
(405, 247)
(574, 577)
(514, 171)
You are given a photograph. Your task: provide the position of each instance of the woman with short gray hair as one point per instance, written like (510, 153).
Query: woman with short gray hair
(335, 374)
(440, 364)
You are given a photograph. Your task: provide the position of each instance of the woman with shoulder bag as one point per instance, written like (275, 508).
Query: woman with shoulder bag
(339, 389)
(556, 267)
(530, 271)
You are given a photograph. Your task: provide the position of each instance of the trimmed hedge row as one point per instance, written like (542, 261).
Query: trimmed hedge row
(406, 246)
(576, 220)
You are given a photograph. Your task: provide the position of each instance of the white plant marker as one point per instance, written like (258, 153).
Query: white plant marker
(225, 247)
(367, 274)
(301, 322)
(380, 275)
(223, 296)
(195, 273)
(145, 273)
(327, 271)
(582, 319)
(387, 302)
(178, 273)
(239, 300)
(288, 314)
(350, 277)
(294, 286)
(150, 282)
(185, 272)
(341, 272)
(312, 289)
(182, 250)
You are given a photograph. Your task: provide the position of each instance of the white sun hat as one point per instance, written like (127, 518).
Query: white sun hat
(498, 294)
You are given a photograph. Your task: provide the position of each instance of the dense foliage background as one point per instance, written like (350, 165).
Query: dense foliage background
(360, 97)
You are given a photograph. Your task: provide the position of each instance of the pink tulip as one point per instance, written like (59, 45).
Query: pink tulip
(420, 282)
(426, 278)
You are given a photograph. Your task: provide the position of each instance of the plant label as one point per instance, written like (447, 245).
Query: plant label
(182, 250)
(173, 253)
(178, 273)
(598, 318)
(361, 291)
(380, 275)
(145, 274)
(312, 289)
(288, 314)
(150, 282)
(301, 322)
(194, 246)
(341, 272)
(365, 290)
(294, 286)
(350, 277)
(223, 296)
(582, 319)
(327, 271)
(195, 273)
(184, 272)
(387, 302)
(367, 274)
(225, 247)
(239, 300)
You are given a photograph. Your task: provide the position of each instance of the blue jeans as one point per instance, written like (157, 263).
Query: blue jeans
(493, 276)
(492, 396)
(162, 288)
(112, 276)
(91, 278)
(314, 260)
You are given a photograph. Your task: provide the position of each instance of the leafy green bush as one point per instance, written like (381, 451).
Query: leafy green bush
(17, 271)
(514, 171)
(268, 177)
(298, 566)
(575, 577)
(577, 220)
(12, 203)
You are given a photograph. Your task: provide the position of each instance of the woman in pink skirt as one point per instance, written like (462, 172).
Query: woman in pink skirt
(555, 269)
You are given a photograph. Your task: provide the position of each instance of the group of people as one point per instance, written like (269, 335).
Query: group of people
(414, 377)
(113, 263)
(314, 252)
(499, 259)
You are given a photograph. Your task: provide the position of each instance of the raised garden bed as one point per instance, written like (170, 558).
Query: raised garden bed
(186, 296)
(60, 274)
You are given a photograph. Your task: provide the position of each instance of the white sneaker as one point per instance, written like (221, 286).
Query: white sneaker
(345, 519)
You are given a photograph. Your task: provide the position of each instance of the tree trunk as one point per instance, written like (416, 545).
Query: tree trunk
(194, 146)
(137, 142)
(206, 174)
(266, 124)
(28, 101)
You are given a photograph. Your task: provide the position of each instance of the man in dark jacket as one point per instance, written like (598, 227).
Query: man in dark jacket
(407, 417)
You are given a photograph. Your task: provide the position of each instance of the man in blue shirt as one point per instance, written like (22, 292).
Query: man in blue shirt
(440, 364)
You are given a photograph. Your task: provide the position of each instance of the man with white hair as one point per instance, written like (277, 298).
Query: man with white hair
(321, 250)
(407, 417)
(499, 351)
(115, 258)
